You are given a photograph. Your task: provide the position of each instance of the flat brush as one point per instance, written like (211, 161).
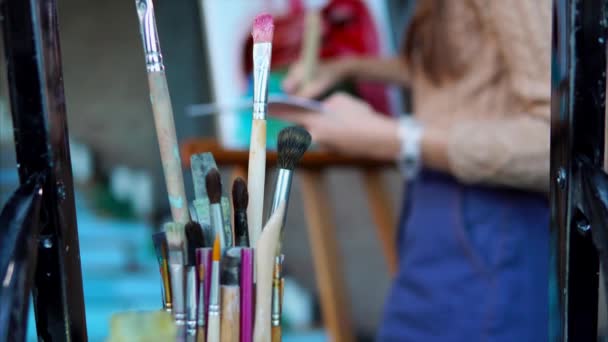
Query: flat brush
(230, 289)
(264, 260)
(240, 199)
(213, 182)
(160, 247)
(291, 145)
(195, 239)
(176, 242)
(263, 29)
(213, 326)
(163, 112)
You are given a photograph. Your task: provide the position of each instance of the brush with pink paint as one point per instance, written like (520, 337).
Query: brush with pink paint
(263, 30)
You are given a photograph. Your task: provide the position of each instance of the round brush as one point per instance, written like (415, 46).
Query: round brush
(176, 243)
(213, 328)
(291, 146)
(163, 113)
(240, 199)
(213, 183)
(195, 239)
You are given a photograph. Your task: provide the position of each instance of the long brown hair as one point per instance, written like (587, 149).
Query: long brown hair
(427, 43)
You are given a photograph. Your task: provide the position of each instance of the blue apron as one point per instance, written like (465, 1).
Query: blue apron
(473, 265)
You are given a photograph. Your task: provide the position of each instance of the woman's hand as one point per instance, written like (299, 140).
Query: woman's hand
(350, 126)
(328, 74)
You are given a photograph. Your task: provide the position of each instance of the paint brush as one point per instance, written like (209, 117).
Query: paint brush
(201, 164)
(263, 29)
(176, 243)
(291, 145)
(277, 302)
(240, 199)
(213, 182)
(203, 261)
(264, 260)
(160, 247)
(247, 294)
(163, 113)
(195, 239)
(213, 326)
(231, 298)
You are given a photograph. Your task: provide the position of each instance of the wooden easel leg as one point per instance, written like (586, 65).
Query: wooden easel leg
(382, 214)
(326, 257)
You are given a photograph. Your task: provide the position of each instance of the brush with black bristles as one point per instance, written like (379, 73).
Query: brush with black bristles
(240, 200)
(176, 243)
(213, 183)
(195, 239)
(291, 145)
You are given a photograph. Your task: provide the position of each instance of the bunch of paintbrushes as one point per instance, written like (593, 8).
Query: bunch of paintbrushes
(221, 268)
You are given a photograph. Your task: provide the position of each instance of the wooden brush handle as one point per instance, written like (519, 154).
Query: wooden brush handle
(230, 317)
(276, 333)
(213, 328)
(200, 334)
(264, 259)
(167, 142)
(255, 179)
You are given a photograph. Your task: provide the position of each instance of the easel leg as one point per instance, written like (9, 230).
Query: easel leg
(326, 257)
(382, 214)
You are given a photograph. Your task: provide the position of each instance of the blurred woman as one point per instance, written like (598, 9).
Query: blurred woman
(474, 238)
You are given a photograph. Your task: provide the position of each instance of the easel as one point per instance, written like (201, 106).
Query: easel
(324, 247)
(35, 83)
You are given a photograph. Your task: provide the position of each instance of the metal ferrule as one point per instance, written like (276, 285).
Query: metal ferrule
(201, 305)
(149, 35)
(214, 292)
(281, 191)
(262, 53)
(160, 247)
(178, 289)
(276, 292)
(164, 297)
(193, 213)
(191, 307)
(166, 287)
(217, 222)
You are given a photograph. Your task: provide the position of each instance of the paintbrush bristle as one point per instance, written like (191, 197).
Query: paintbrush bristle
(195, 239)
(263, 28)
(213, 183)
(230, 266)
(216, 248)
(291, 145)
(175, 236)
(240, 196)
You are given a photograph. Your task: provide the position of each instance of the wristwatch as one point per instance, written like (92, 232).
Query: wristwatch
(410, 136)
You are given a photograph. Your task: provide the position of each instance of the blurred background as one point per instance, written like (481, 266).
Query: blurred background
(113, 143)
